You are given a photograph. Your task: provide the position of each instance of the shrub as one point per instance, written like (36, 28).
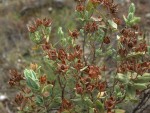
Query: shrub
(77, 78)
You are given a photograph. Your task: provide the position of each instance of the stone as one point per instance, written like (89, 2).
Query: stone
(50, 9)
(147, 15)
(59, 3)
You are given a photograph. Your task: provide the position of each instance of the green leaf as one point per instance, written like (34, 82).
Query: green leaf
(99, 52)
(125, 19)
(26, 109)
(130, 17)
(109, 52)
(131, 91)
(99, 106)
(84, 68)
(91, 110)
(66, 111)
(119, 111)
(134, 100)
(87, 16)
(29, 94)
(90, 6)
(31, 79)
(100, 36)
(135, 20)
(57, 99)
(149, 50)
(140, 86)
(60, 32)
(117, 88)
(142, 79)
(77, 100)
(38, 37)
(122, 78)
(146, 75)
(32, 83)
(30, 73)
(39, 100)
(117, 92)
(47, 88)
(113, 24)
(135, 54)
(88, 101)
(132, 8)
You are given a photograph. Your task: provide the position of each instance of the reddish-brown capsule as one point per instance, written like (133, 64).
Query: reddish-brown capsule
(43, 79)
(38, 22)
(32, 28)
(47, 22)
(62, 67)
(79, 89)
(80, 7)
(106, 40)
(52, 54)
(74, 34)
(117, 21)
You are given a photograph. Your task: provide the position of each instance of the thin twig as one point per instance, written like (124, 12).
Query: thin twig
(83, 47)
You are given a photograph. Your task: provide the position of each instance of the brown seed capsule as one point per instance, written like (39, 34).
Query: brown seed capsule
(70, 57)
(103, 68)
(130, 44)
(79, 89)
(93, 71)
(79, 65)
(89, 87)
(47, 22)
(62, 54)
(19, 98)
(110, 103)
(66, 104)
(43, 79)
(80, 8)
(38, 22)
(32, 28)
(52, 54)
(102, 86)
(106, 40)
(74, 34)
(46, 46)
(122, 52)
(125, 32)
(91, 27)
(33, 66)
(113, 8)
(11, 82)
(117, 21)
(135, 27)
(62, 67)
(123, 40)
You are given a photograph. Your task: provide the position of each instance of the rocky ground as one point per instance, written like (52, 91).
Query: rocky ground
(15, 47)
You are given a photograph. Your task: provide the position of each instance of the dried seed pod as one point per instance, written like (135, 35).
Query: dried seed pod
(106, 40)
(74, 34)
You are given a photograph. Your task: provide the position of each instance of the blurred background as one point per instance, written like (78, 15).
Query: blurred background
(15, 46)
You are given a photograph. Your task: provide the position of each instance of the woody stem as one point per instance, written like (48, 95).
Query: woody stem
(83, 47)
